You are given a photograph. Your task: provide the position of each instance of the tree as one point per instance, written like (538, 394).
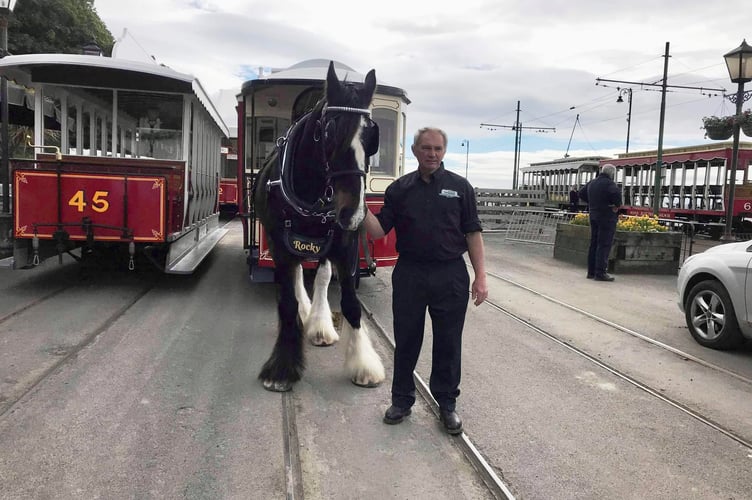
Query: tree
(56, 26)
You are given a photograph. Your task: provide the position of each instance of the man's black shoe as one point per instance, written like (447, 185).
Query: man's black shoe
(452, 422)
(604, 277)
(590, 276)
(395, 415)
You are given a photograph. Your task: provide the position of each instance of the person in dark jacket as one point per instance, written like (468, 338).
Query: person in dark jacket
(603, 197)
(574, 199)
(433, 213)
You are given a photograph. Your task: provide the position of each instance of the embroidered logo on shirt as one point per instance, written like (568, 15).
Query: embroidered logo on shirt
(448, 193)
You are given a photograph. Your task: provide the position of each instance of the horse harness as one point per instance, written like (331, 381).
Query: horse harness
(298, 212)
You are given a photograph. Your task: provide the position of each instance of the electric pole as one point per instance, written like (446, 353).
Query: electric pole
(518, 128)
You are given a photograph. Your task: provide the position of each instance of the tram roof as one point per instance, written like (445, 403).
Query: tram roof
(104, 72)
(313, 71)
(702, 152)
(564, 164)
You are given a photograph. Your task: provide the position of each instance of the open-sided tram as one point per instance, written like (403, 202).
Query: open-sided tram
(112, 158)
(694, 183)
(269, 105)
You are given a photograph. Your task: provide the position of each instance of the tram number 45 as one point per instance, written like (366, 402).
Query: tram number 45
(98, 201)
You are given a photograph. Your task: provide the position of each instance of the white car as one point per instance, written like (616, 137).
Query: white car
(715, 293)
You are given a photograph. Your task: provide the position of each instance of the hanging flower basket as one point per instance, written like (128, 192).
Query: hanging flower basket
(745, 122)
(719, 133)
(747, 129)
(718, 128)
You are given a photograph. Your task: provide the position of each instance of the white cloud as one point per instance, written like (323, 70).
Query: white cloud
(467, 63)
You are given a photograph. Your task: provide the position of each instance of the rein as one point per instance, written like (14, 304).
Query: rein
(322, 208)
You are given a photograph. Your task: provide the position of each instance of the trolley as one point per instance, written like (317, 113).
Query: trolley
(267, 106)
(112, 159)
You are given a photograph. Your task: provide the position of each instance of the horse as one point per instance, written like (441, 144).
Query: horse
(310, 199)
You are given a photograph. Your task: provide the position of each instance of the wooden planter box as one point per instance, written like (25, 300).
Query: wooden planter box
(646, 253)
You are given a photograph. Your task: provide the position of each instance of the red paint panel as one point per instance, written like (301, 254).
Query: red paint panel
(383, 250)
(101, 198)
(228, 191)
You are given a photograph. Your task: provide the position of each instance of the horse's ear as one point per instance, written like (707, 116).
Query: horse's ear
(369, 86)
(332, 82)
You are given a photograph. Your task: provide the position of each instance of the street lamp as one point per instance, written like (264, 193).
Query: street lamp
(466, 144)
(6, 7)
(739, 64)
(629, 112)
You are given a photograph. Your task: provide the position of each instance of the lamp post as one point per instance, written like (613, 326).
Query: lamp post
(466, 143)
(6, 7)
(629, 112)
(739, 64)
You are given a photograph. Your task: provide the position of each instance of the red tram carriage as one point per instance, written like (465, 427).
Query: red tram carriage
(268, 106)
(125, 161)
(228, 182)
(694, 185)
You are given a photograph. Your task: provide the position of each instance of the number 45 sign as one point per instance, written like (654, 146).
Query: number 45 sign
(106, 200)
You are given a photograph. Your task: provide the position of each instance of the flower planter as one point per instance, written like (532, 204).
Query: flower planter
(720, 133)
(632, 252)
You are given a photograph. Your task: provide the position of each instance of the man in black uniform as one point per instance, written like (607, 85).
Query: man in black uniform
(434, 215)
(603, 197)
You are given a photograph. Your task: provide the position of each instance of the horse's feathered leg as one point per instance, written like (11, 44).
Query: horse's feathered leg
(304, 302)
(319, 326)
(286, 363)
(362, 362)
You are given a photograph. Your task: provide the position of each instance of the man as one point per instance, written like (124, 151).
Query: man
(434, 215)
(603, 197)
(574, 199)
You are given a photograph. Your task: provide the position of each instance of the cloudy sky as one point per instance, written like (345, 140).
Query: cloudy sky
(468, 63)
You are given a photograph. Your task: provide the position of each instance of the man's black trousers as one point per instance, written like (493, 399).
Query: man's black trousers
(443, 288)
(601, 238)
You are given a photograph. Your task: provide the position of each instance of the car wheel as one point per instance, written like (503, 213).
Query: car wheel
(710, 316)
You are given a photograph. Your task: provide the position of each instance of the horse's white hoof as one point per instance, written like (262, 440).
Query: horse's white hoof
(367, 384)
(277, 385)
(322, 339)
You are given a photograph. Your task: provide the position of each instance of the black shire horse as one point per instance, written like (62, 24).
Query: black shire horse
(310, 197)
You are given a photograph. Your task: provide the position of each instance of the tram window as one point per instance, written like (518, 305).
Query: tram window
(385, 161)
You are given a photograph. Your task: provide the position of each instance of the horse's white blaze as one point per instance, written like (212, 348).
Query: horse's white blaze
(304, 302)
(360, 159)
(319, 326)
(362, 363)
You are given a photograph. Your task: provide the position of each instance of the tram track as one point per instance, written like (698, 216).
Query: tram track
(654, 392)
(33, 303)
(9, 403)
(495, 484)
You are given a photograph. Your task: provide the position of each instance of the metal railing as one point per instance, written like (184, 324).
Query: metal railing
(539, 227)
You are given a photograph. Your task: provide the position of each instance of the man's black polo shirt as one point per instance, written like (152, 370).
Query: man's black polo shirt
(430, 219)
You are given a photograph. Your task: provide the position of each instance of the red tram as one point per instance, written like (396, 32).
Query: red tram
(228, 182)
(268, 106)
(694, 183)
(112, 158)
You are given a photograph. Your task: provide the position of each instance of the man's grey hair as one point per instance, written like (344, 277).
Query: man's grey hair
(421, 131)
(609, 170)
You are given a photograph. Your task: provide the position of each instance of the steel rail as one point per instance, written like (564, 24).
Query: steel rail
(90, 337)
(623, 376)
(488, 475)
(624, 329)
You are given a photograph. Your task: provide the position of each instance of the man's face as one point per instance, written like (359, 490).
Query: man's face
(430, 150)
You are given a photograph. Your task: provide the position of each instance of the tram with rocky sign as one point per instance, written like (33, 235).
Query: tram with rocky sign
(112, 159)
(269, 105)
